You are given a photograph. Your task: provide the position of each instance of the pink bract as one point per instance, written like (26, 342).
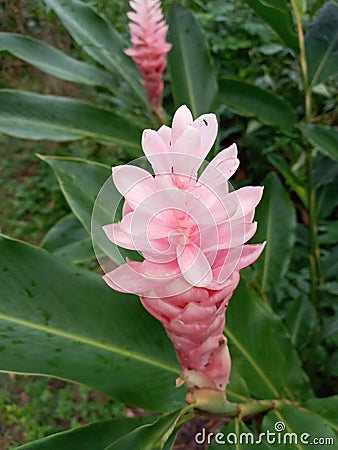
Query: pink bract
(148, 32)
(192, 231)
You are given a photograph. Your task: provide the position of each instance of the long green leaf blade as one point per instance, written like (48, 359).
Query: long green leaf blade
(277, 226)
(34, 116)
(296, 422)
(261, 352)
(326, 408)
(95, 436)
(68, 239)
(325, 139)
(63, 321)
(278, 15)
(53, 61)
(251, 101)
(289, 176)
(148, 437)
(80, 181)
(100, 41)
(192, 78)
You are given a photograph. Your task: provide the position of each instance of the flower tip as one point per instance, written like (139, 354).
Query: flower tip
(259, 190)
(183, 114)
(115, 169)
(234, 149)
(146, 132)
(182, 108)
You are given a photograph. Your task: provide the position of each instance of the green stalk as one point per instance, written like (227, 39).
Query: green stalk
(314, 254)
(215, 402)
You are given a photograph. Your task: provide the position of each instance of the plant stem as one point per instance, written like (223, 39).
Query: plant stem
(215, 402)
(187, 414)
(314, 253)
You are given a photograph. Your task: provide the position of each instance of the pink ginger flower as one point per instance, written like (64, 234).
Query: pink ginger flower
(192, 232)
(148, 32)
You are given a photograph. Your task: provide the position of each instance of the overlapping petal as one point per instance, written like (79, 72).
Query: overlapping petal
(184, 146)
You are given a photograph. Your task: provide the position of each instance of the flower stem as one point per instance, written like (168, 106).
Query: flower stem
(215, 402)
(314, 253)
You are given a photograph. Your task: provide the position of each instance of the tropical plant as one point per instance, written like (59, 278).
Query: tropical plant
(59, 319)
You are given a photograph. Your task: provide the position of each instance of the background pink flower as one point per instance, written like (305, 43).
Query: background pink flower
(148, 32)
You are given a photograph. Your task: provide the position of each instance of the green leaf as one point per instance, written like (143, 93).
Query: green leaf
(85, 183)
(270, 49)
(150, 436)
(326, 200)
(169, 445)
(330, 288)
(95, 436)
(277, 225)
(277, 14)
(329, 328)
(290, 177)
(69, 240)
(192, 77)
(325, 139)
(325, 172)
(62, 321)
(326, 408)
(330, 265)
(321, 44)
(302, 427)
(251, 101)
(300, 319)
(328, 232)
(100, 41)
(53, 61)
(80, 181)
(34, 116)
(235, 436)
(261, 351)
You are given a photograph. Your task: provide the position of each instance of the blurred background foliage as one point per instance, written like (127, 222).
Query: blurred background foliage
(244, 47)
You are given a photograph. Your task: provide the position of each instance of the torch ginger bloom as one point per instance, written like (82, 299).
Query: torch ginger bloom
(192, 232)
(148, 32)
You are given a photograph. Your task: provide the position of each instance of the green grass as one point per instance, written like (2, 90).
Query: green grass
(34, 407)
(30, 197)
